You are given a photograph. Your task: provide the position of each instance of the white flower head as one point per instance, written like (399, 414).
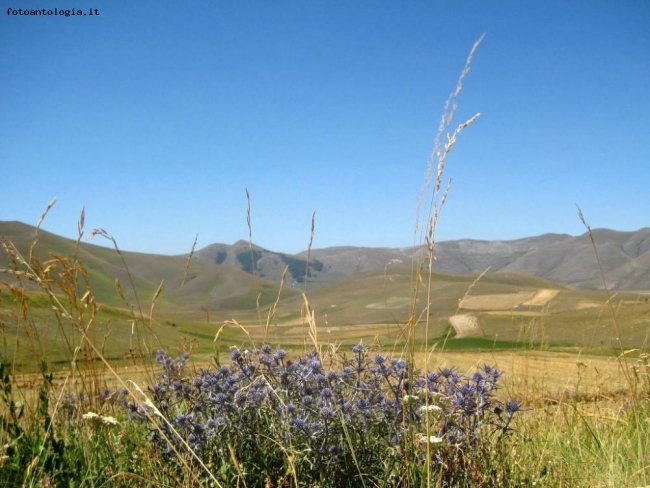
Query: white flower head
(409, 399)
(100, 418)
(432, 439)
(109, 420)
(430, 408)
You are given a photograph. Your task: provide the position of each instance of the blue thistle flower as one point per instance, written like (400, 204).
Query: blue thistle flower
(379, 359)
(446, 372)
(512, 407)
(335, 450)
(236, 355)
(217, 421)
(326, 413)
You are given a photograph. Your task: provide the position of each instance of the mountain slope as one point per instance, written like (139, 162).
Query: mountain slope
(208, 285)
(563, 259)
(265, 263)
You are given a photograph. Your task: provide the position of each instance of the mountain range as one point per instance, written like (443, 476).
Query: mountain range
(220, 275)
(560, 258)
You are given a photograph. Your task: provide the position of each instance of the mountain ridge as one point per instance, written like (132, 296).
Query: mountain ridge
(560, 258)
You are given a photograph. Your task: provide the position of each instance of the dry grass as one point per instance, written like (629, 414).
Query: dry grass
(538, 376)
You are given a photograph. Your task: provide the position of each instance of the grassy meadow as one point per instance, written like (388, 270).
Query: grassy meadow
(400, 377)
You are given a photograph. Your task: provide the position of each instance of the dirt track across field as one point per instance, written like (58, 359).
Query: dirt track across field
(464, 324)
(542, 297)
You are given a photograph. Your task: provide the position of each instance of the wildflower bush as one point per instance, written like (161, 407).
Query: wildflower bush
(353, 421)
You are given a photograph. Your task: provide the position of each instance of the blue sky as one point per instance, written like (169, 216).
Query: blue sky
(157, 115)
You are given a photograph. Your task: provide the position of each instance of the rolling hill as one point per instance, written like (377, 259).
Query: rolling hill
(208, 285)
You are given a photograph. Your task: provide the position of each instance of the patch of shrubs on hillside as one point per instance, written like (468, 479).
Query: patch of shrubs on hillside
(220, 258)
(333, 421)
(298, 267)
(249, 259)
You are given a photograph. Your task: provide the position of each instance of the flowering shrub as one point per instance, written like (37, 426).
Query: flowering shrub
(360, 420)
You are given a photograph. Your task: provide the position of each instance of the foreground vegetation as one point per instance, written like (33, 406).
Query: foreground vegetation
(95, 395)
(320, 415)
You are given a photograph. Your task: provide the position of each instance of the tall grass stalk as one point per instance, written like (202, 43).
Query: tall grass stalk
(444, 141)
(622, 360)
(256, 283)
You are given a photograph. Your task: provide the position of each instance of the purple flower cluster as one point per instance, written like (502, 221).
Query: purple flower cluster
(356, 413)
